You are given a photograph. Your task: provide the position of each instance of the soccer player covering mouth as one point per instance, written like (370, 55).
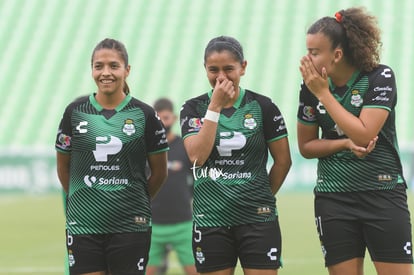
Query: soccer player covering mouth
(360, 193)
(103, 144)
(228, 132)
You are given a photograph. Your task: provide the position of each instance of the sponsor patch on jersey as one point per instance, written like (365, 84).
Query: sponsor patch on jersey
(383, 177)
(90, 180)
(263, 210)
(129, 127)
(64, 141)
(195, 123)
(140, 220)
(356, 99)
(383, 96)
(308, 113)
(249, 122)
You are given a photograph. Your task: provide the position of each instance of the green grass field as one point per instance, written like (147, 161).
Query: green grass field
(32, 236)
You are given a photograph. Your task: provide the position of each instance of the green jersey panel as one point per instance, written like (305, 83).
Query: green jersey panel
(233, 186)
(343, 171)
(109, 149)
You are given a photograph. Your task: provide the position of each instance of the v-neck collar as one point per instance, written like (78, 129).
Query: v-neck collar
(239, 99)
(349, 83)
(99, 107)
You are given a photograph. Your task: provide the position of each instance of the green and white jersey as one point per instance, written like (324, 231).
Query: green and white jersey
(343, 171)
(109, 149)
(233, 186)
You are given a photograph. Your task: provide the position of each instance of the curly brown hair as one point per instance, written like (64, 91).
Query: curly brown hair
(356, 32)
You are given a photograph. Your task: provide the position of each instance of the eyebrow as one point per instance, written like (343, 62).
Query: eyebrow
(225, 66)
(110, 62)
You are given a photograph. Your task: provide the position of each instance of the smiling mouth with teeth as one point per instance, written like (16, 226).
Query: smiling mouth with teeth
(106, 81)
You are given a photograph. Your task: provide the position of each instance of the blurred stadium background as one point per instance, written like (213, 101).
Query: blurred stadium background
(46, 47)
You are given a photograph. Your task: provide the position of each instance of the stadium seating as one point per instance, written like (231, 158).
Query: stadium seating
(46, 49)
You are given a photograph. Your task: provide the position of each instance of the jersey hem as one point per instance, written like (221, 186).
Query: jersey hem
(189, 134)
(62, 151)
(377, 106)
(276, 138)
(159, 151)
(307, 122)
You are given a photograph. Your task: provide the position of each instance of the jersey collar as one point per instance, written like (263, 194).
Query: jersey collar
(348, 84)
(98, 107)
(239, 99)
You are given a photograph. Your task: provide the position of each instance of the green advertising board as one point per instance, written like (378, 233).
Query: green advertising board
(35, 172)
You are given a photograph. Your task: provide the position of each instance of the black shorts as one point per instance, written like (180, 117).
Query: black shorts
(257, 246)
(119, 253)
(349, 223)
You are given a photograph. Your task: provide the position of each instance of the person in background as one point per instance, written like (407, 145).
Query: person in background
(66, 260)
(103, 144)
(228, 133)
(172, 208)
(360, 193)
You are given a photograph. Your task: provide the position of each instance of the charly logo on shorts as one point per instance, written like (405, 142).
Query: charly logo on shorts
(407, 248)
(324, 252)
(140, 264)
(272, 254)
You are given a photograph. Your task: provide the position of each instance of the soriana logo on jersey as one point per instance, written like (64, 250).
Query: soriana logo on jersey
(218, 173)
(105, 146)
(90, 180)
(229, 142)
